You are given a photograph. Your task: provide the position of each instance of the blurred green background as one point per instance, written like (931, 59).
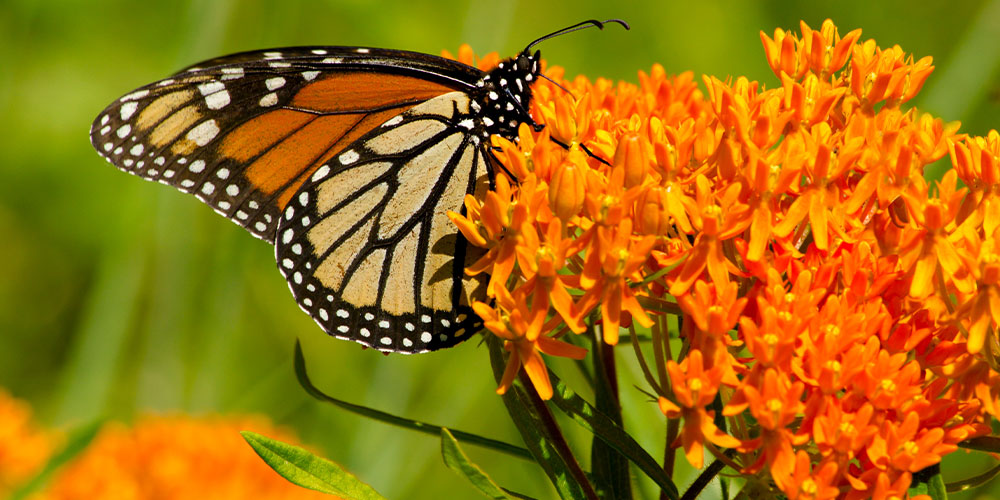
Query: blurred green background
(119, 297)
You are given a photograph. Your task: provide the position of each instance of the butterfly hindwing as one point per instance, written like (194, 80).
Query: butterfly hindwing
(243, 132)
(366, 244)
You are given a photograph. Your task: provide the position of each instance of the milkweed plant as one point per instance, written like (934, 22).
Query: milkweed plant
(814, 318)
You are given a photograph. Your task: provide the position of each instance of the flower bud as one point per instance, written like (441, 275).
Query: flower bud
(632, 155)
(566, 189)
(651, 212)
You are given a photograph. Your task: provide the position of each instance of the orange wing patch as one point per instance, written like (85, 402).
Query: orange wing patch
(286, 146)
(253, 137)
(351, 92)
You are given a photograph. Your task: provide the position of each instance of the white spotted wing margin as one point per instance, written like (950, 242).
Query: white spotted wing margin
(366, 244)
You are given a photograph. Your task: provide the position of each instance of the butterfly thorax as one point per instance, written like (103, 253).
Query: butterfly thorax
(503, 95)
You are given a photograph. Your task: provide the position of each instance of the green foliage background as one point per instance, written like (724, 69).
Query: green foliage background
(119, 297)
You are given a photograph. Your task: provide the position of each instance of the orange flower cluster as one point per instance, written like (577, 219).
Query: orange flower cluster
(842, 309)
(24, 446)
(176, 457)
(158, 458)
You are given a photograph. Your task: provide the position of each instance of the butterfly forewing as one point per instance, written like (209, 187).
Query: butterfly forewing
(348, 160)
(243, 132)
(366, 244)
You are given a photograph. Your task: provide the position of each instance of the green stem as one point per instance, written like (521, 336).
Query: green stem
(703, 479)
(606, 462)
(556, 437)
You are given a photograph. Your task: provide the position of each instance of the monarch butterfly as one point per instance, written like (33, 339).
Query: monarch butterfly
(347, 159)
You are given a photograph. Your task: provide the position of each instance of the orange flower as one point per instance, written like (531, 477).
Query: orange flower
(520, 325)
(694, 388)
(176, 458)
(816, 274)
(612, 261)
(24, 447)
(929, 249)
(803, 484)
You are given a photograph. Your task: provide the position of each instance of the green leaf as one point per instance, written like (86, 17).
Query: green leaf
(458, 461)
(606, 462)
(529, 424)
(974, 481)
(388, 418)
(77, 442)
(307, 470)
(928, 481)
(604, 428)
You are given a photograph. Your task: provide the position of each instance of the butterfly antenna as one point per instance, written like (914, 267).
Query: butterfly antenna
(557, 84)
(590, 23)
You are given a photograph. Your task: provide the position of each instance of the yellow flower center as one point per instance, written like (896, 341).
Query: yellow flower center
(887, 385)
(774, 405)
(847, 429)
(607, 201)
(833, 365)
(808, 487)
(911, 448)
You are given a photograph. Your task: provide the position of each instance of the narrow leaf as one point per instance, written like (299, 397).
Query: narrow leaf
(530, 425)
(307, 470)
(458, 461)
(974, 481)
(388, 418)
(76, 444)
(604, 428)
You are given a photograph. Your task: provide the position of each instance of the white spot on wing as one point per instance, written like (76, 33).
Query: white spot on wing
(274, 83)
(348, 157)
(128, 109)
(269, 100)
(211, 87)
(232, 73)
(197, 166)
(310, 75)
(204, 132)
(393, 121)
(139, 94)
(321, 173)
(217, 100)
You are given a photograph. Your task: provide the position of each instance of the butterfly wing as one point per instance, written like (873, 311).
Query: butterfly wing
(366, 244)
(243, 132)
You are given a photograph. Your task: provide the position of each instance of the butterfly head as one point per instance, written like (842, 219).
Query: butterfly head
(505, 94)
